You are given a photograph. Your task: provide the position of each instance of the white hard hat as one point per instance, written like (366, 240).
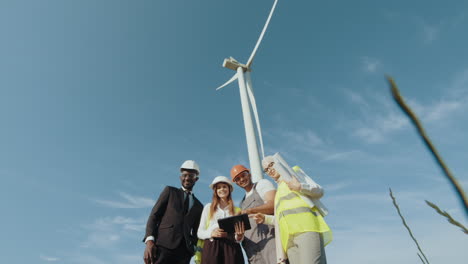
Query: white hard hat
(219, 179)
(190, 165)
(267, 160)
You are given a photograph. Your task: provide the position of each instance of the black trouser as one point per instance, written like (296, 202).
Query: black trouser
(179, 255)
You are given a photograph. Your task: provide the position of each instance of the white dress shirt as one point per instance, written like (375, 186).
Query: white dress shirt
(206, 226)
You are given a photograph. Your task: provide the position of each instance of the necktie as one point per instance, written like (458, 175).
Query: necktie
(186, 202)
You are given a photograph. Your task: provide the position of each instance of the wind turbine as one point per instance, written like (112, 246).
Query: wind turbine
(242, 75)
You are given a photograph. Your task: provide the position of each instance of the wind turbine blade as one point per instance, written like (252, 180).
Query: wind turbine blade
(255, 112)
(233, 78)
(252, 56)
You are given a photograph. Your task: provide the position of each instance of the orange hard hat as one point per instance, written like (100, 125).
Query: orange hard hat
(238, 169)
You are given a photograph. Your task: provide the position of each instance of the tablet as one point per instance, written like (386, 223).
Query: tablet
(227, 224)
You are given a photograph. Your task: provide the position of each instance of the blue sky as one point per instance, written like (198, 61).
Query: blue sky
(101, 101)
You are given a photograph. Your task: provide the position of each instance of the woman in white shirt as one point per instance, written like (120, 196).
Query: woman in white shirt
(220, 246)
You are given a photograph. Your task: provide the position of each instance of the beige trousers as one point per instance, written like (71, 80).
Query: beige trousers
(306, 248)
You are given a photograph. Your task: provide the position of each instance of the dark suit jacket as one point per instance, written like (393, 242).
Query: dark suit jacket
(167, 223)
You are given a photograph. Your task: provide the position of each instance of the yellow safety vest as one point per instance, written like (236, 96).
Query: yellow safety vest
(295, 216)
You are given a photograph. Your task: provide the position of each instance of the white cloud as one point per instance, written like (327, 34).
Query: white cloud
(371, 219)
(437, 111)
(110, 223)
(106, 232)
(464, 183)
(370, 135)
(341, 155)
(356, 98)
(459, 85)
(376, 126)
(136, 258)
(392, 122)
(430, 32)
(335, 186)
(389, 242)
(304, 140)
(370, 65)
(130, 201)
(373, 197)
(458, 20)
(380, 127)
(114, 257)
(88, 259)
(308, 142)
(49, 259)
(307, 137)
(442, 110)
(100, 240)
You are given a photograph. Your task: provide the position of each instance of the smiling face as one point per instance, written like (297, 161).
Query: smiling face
(222, 190)
(244, 179)
(271, 171)
(188, 178)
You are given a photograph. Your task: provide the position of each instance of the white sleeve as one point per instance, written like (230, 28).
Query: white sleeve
(311, 189)
(269, 219)
(204, 229)
(263, 186)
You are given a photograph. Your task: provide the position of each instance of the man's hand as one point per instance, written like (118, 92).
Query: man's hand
(294, 184)
(259, 218)
(218, 233)
(246, 211)
(150, 252)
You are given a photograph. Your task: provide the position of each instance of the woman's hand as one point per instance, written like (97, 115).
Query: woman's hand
(218, 233)
(239, 230)
(258, 217)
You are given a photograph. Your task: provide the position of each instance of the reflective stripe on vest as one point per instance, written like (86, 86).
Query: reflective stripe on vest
(294, 215)
(297, 211)
(289, 196)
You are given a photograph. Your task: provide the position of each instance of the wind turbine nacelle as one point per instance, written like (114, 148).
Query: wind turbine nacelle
(232, 64)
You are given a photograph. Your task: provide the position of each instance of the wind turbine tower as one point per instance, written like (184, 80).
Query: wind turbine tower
(242, 75)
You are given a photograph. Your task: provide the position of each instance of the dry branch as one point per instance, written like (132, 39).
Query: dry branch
(400, 101)
(422, 260)
(448, 216)
(407, 227)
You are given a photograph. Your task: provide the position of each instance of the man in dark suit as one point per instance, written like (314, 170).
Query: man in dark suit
(171, 230)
